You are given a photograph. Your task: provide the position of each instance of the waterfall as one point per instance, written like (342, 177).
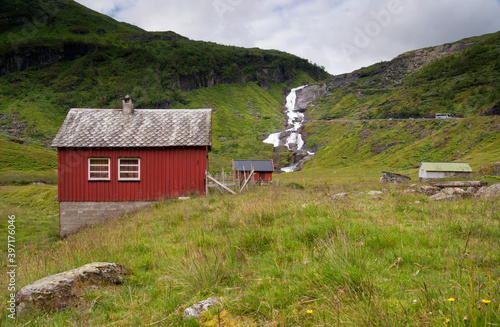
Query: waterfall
(295, 119)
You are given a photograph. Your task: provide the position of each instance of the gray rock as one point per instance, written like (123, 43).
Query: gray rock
(490, 192)
(453, 191)
(472, 190)
(393, 178)
(339, 196)
(448, 190)
(443, 197)
(492, 168)
(308, 94)
(63, 290)
(459, 191)
(195, 310)
(428, 190)
(375, 193)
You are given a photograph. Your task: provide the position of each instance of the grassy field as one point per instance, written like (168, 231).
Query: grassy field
(277, 256)
(37, 208)
(24, 164)
(400, 144)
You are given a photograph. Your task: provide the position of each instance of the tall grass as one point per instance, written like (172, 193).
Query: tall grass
(287, 257)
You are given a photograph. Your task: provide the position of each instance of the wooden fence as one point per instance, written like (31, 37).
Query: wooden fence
(230, 181)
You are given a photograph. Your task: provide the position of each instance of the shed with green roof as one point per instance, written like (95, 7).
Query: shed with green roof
(443, 170)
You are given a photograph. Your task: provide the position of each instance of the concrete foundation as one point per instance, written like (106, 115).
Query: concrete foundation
(74, 216)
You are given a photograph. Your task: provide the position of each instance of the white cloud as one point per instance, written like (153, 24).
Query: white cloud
(338, 34)
(107, 7)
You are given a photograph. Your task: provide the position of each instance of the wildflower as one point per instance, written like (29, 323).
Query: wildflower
(309, 312)
(451, 299)
(448, 320)
(486, 301)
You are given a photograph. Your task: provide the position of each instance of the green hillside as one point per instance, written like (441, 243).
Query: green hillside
(56, 55)
(462, 78)
(405, 143)
(383, 115)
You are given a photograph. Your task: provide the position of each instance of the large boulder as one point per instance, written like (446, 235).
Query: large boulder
(394, 178)
(489, 192)
(63, 290)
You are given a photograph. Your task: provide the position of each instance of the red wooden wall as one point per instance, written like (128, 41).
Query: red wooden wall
(265, 176)
(165, 173)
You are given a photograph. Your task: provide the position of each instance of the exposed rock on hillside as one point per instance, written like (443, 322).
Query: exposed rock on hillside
(308, 94)
(28, 57)
(394, 71)
(492, 168)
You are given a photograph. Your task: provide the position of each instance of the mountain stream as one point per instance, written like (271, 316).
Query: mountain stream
(291, 137)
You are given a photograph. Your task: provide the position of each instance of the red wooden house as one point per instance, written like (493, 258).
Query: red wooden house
(114, 161)
(263, 169)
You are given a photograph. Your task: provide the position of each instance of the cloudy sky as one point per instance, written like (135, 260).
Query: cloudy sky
(340, 35)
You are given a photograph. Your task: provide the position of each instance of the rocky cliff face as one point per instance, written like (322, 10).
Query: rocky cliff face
(394, 71)
(265, 71)
(40, 56)
(308, 94)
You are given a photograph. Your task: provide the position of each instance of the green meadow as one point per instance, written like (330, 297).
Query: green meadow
(275, 256)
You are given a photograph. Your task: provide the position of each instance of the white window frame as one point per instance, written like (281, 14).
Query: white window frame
(100, 171)
(120, 171)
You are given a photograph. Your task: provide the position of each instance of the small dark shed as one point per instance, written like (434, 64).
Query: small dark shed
(113, 161)
(263, 169)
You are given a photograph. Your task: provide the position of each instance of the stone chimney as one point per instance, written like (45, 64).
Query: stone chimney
(128, 105)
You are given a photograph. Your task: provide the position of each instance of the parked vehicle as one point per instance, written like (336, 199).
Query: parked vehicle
(444, 116)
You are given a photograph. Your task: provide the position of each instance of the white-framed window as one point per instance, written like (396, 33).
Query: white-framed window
(129, 169)
(99, 169)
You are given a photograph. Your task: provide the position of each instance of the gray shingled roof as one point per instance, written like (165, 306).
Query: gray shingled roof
(144, 128)
(258, 165)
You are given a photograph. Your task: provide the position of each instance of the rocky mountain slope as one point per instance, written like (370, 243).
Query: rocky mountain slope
(462, 78)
